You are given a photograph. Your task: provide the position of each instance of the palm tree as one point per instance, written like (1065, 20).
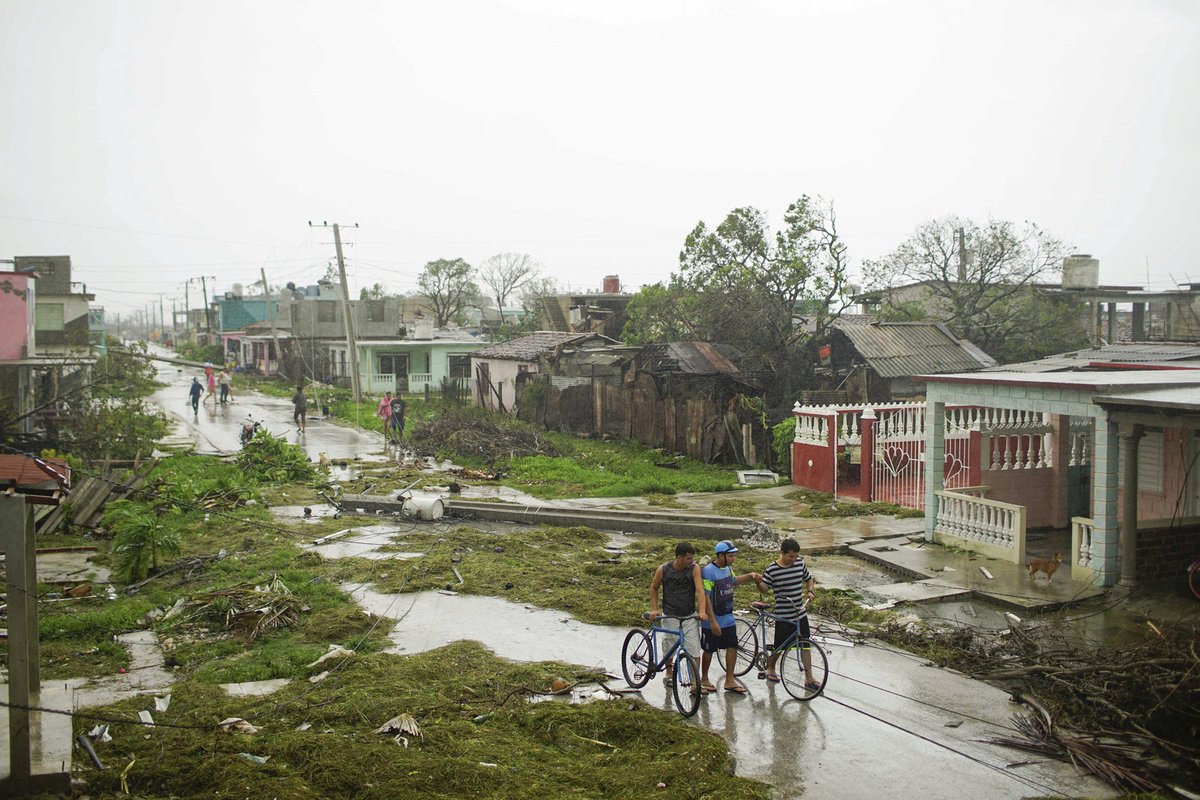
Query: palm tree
(139, 539)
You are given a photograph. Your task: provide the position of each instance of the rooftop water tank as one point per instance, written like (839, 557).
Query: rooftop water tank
(612, 284)
(1080, 271)
(423, 329)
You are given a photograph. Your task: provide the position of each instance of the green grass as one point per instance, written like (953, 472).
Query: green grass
(729, 507)
(478, 739)
(825, 505)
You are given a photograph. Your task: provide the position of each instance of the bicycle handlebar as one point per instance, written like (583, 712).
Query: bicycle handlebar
(651, 617)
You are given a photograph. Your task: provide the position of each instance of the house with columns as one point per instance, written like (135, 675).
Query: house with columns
(1113, 454)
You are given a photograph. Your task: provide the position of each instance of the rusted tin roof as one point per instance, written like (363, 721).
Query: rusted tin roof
(528, 348)
(899, 349)
(1144, 354)
(43, 479)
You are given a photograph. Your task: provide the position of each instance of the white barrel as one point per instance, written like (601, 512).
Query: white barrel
(425, 507)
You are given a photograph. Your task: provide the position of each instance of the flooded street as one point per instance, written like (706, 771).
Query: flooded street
(216, 429)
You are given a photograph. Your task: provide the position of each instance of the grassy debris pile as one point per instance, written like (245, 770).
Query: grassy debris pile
(462, 727)
(563, 568)
(824, 505)
(476, 434)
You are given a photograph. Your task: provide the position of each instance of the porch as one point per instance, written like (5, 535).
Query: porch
(412, 382)
(1131, 506)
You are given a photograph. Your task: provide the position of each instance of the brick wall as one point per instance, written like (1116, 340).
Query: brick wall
(1163, 554)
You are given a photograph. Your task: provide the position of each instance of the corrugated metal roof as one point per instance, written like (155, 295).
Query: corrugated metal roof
(528, 348)
(899, 349)
(701, 358)
(1145, 353)
(1182, 398)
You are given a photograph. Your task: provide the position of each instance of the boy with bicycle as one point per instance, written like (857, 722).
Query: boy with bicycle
(788, 577)
(719, 634)
(682, 596)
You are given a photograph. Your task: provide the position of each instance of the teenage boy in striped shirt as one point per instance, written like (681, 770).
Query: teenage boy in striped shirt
(788, 577)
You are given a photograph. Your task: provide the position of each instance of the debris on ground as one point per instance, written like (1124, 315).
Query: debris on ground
(481, 437)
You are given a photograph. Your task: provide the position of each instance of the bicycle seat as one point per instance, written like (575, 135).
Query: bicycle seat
(760, 605)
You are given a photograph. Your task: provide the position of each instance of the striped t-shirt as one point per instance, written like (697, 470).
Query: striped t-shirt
(788, 585)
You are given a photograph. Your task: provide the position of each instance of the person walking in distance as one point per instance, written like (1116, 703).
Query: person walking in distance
(682, 596)
(384, 412)
(719, 634)
(397, 417)
(194, 396)
(225, 382)
(300, 406)
(211, 379)
(789, 578)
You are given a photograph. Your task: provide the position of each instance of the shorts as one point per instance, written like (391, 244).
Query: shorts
(785, 630)
(691, 633)
(712, 643)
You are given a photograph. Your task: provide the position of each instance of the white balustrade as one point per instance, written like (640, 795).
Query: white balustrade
(989, 526)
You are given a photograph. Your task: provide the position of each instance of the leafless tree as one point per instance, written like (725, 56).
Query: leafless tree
(505, 273)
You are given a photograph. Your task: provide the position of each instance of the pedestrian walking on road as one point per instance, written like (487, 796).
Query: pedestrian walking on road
(194, 396)
(225, 382)
(384, 412)
(300, 406)
(211, 379)
(397, 417)
(719, 634)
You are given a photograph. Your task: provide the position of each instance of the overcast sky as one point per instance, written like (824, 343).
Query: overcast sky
(159, 141)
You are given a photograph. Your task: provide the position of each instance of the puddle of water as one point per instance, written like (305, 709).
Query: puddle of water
(363, 543)
(344, 472)
(428, 620)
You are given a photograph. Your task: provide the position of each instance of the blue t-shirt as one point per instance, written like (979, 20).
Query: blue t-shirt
(719, 583)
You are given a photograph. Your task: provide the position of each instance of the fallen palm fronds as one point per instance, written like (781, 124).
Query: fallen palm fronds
(250, 611)
(1128, 712)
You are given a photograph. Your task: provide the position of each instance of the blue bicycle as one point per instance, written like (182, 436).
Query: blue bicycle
(640, 662)
(800, 665)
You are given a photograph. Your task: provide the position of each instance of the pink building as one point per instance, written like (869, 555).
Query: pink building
(16, 316)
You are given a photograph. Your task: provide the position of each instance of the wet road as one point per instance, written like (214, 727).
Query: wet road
(216, 428)
(887, 724)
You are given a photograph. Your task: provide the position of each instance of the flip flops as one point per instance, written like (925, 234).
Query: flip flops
(773, 678)
(708, 687)
(736, 689)
(813, 687)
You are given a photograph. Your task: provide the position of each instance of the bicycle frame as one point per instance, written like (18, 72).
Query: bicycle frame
(659, 664)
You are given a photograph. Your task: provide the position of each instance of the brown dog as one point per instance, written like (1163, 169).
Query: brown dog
(1046, 565)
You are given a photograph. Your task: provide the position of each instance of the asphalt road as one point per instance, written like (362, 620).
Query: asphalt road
(216, 429)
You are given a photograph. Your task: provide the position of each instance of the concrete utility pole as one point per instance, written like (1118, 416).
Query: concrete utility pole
(351, 344)
(207, 310)
(186, 306)
(271, 317)
(162, 324)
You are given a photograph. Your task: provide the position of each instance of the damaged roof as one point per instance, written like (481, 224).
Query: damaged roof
(528, 348)
(695, 358)
(900, 349)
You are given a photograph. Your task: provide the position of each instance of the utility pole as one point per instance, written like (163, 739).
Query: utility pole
(162, 325)
(271, 317)
(962, 255)
(174, 320)
(351, 344)
(207, 310)
(187, 305)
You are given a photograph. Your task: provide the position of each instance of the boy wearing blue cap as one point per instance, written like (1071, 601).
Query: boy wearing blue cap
(719, 632)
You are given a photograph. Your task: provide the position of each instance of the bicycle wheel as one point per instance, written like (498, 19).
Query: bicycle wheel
(637, 661)
(792, 673)
(687, 684)
(747, 652)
